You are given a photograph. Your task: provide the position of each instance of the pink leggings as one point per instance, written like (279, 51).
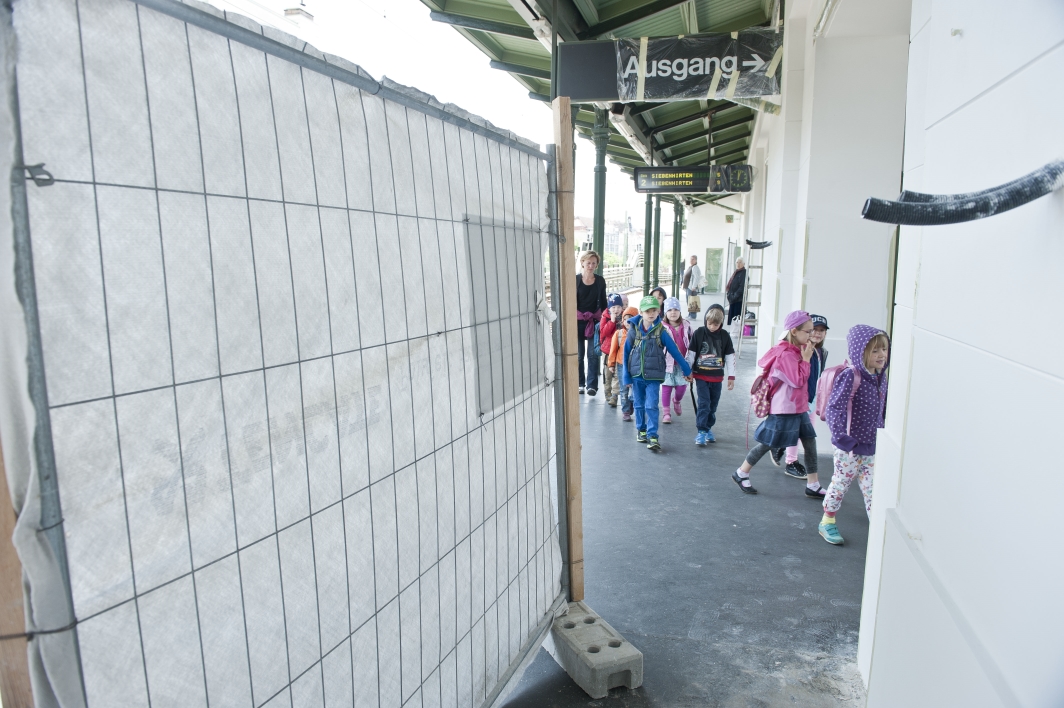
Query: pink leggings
(667, 393)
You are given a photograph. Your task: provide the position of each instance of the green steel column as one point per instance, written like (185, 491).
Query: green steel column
(677, 245)
(600, 134)
(657, 238)
(647, 236)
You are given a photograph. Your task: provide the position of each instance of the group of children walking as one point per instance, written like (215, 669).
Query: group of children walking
(654, 354)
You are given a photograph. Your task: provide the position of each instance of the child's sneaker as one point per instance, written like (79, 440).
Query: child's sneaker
(831, 534)
(652, 443)
(641, 436)
(792, 471)
(709, 436)
(676, 407)
(776, 454)
(700, 439)
(665, 417)
(613, 402)
(627, 417)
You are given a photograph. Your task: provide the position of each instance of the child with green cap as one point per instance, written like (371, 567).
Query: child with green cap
(644, 357)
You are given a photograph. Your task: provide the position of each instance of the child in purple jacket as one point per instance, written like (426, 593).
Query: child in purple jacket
(854, 417)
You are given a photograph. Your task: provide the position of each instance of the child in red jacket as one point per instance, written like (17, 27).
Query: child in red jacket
(616, 362)
(611, 319)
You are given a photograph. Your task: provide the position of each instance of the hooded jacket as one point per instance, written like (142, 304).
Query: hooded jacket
(789, 377)
(682, 342)
(869, 400)
(607, 328)
(617, 345)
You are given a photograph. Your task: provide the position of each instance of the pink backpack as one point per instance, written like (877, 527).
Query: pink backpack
(827, 382)
(762, 391)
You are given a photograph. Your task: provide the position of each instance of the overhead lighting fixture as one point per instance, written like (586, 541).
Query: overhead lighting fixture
(634, 138)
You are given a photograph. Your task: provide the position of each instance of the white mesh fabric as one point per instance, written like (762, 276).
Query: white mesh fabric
(302, 430)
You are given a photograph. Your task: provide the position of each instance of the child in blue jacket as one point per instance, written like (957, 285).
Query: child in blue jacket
(644, 358)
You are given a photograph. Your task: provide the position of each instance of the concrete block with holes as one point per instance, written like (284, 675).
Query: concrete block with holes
(593, 653)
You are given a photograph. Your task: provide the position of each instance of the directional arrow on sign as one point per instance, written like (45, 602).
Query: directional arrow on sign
(757, 63)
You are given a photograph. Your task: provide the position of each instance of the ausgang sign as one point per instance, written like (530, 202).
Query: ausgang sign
(693, 180)
(705, 66)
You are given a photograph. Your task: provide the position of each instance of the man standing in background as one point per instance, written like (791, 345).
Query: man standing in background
(692, 284)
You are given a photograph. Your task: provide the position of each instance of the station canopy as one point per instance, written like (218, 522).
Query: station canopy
(516, 37)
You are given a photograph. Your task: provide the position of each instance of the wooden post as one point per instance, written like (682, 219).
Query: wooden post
(563, 138)
(15, 690)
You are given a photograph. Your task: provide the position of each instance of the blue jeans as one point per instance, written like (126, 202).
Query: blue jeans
(646, 395)
(708, 398)
(625, 398)
(583, 349)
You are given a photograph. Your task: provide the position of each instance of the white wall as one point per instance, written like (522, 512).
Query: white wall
(964, 580)
(708, 227)
(838, 140)
(779, 141)
(854, 151)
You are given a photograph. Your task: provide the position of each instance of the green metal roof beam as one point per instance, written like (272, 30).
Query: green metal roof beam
(703, 148)
(701, 134)
(518, 69)
(571, 22)
(689, 118)
(490, 26)
(731, 152)
(626, 153)
(629, 17)
(707, 148)
(643, 108)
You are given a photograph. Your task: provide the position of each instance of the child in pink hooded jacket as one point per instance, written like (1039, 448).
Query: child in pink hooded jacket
(786, 366)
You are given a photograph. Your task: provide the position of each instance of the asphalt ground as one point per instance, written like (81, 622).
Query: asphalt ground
(734, 600)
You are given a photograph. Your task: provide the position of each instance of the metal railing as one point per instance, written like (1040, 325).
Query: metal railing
(621, 279)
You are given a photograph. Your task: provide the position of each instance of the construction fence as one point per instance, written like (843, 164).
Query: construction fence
(279, 420)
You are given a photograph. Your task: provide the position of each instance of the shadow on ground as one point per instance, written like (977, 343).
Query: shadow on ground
(734, 600)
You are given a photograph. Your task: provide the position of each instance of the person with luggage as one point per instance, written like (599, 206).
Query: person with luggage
(784, 380)
(712, 357)
(644, 357)
(855, 414)
(675, 386)
(794, 468)
(692, 285)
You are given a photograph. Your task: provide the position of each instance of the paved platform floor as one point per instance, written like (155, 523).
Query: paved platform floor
(734, 600)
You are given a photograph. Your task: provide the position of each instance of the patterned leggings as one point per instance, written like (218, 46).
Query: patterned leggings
(848, 466)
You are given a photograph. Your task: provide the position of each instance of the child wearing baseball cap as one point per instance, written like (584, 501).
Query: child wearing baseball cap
(611, 320)
(644, 356)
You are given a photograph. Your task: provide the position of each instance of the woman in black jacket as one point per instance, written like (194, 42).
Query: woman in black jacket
(735, 287)
(590, 303)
